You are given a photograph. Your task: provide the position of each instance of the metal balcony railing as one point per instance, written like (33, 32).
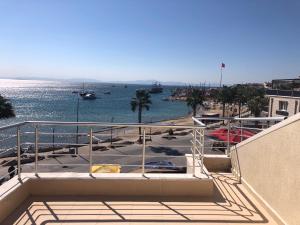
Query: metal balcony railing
(223, 133)
(27, 145)
(47, 146)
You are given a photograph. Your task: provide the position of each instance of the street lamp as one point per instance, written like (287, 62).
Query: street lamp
(77, 119)
(111, 130)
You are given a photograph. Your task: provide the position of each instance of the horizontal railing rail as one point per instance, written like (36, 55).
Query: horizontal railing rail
(35, 144)
(95, 124)
(12, 126)
(235, 130)
(38, 145)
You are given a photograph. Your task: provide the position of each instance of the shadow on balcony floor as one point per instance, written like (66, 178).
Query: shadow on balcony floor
(231, 205)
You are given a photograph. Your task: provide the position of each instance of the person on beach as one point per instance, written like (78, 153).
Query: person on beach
(11, 171)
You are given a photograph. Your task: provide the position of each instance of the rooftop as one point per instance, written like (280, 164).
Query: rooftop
(231, 203)
(285, 93)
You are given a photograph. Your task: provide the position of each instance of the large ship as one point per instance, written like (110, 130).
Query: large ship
(156, 88)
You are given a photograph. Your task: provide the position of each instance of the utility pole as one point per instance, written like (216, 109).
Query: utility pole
(111, 130)
(53, 130)
(150, 130)
(77, 119)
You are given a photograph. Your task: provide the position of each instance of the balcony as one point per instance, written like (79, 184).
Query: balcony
(282, 112)
(231, 203)
(198, 185)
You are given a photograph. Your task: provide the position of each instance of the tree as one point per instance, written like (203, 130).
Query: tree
(257, 104)
(225, 96)
(256, 100)
(240, 95)
(139, 102)
(6, 109)
(195, 98)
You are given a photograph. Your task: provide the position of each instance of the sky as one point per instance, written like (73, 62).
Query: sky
(164, 40)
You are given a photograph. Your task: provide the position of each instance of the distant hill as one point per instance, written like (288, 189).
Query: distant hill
(78, 80)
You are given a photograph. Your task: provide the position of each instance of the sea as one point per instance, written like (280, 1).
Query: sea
(40, 100)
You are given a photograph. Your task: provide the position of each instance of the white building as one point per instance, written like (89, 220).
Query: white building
(283, 102)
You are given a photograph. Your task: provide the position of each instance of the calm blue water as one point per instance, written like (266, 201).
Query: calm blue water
(49, 100)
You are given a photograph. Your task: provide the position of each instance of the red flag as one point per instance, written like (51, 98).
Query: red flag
(223, 65)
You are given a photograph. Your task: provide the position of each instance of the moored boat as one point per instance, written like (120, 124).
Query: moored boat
(88, 95)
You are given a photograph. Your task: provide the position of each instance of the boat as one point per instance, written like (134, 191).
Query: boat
(125, 86)
(88, 95)
(107, 92)
(156, 88)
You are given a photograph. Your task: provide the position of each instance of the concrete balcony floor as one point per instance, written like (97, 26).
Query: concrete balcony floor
(231, 204)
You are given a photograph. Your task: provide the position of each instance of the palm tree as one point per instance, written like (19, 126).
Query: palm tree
(195, 98)
(257, 104)
(139, 102)
(240, 95)
(6, 109)
(225, 96)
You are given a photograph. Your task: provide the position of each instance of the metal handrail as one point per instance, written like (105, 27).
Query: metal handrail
(97, 124)
(38, 143)
(12, 126)
(198, 122)
(277, 118)
(198, 142)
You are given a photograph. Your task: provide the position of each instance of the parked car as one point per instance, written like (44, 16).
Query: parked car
(160, 165)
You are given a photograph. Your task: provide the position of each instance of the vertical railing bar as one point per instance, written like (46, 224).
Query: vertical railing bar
(36, 150)
(228, 136)
(19, 152)
(144, 150)
(242, 137)
(202, 150)
(194, 149)
(91, 151)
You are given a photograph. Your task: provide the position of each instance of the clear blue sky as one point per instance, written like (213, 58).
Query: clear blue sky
(166, 40)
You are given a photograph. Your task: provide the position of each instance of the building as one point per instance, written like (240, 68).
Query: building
(283, 102)
(286, 84)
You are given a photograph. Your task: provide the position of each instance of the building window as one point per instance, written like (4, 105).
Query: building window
(283, 105)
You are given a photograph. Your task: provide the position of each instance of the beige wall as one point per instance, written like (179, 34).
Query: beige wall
(217, 163)
(123, 187)
(183, 186)
(291, 105)
(15, 193)
(270, 164)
